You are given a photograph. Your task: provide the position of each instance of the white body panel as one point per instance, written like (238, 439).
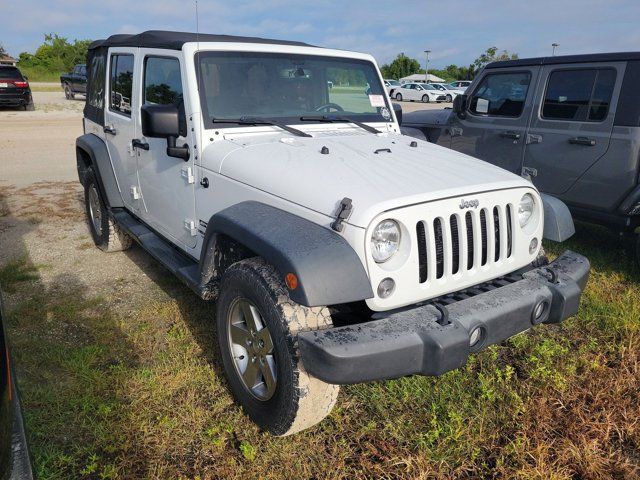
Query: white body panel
(383, 175)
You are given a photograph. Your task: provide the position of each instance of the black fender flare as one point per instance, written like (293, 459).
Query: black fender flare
(328, 270)
(95, 148)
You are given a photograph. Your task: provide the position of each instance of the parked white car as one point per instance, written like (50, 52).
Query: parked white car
(449, 92)
(421, 92)
(391, 86)
(460, 85)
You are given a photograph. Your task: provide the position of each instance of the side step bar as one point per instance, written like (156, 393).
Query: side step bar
(185, 268)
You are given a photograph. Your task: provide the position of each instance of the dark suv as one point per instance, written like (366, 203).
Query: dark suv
(571, 124)
(14, 88)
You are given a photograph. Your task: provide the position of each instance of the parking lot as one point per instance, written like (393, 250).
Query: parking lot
(120, 378)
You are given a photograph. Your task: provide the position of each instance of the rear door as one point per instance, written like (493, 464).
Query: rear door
(120, 129)
(81, 80)
(498, 109)
(572, 122)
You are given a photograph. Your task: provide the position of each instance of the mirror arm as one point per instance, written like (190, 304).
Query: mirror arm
(177, 152)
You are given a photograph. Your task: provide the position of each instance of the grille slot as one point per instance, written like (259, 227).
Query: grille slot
(496, 227)
(483, 233)
(422, 251)
(437, 233)
(455, 244)
(470, 248)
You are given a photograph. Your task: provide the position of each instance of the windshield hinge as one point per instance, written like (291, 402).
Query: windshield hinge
(343, 213)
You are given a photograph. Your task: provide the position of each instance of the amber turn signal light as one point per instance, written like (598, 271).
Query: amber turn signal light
(291, 280)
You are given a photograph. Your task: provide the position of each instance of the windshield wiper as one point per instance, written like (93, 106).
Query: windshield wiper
(332, 119)
(260, 121)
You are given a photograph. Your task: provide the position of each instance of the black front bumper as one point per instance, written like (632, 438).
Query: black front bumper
(430, 340)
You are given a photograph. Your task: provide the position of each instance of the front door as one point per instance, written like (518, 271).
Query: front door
(120, 129)
(494, 125)
(167, 183)
(572, 123)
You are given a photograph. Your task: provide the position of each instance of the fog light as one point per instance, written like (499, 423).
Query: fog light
(539, 311)
(386, 287)
(533, 246)
(475, 336)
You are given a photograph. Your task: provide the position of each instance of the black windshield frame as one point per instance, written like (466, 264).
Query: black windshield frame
(376, 81)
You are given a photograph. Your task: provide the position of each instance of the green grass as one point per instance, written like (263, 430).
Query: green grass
(46, 88)
(140, 394)
(35, 74)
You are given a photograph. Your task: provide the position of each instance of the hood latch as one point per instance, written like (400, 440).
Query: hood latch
(343, 213)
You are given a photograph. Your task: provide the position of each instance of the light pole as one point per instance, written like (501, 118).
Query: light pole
(426, 67)
(554, 45)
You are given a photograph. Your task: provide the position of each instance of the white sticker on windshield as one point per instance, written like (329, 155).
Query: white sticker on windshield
(376, 100)
(482, 106)
(384, 111)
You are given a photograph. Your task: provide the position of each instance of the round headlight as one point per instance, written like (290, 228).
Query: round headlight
(525, 209)
(385, 239)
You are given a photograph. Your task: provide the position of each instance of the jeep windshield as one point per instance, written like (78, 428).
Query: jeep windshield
(288, 88)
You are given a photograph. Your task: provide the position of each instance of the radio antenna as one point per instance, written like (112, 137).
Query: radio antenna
(198, 47)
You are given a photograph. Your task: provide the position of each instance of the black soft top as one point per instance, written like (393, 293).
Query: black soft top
(592, 57)
(175, 40)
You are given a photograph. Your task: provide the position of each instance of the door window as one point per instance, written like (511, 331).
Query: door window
(162, 81)
(579, 95)
(501, 94)
(121, 83)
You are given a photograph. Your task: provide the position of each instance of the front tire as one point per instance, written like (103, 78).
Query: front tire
(449, 98)
(257, 334)
(425, 99)
(399, 97)
(106, 234)
(638, 250)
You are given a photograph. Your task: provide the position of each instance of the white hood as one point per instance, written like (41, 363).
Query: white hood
(294, 168)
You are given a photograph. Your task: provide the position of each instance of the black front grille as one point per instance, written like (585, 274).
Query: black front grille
(435, 237)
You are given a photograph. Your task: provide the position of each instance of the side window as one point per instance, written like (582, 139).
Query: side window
(162, 81)
(95, 87)
(83, 71)
(579, 95)
(121, 83)
(501, 94)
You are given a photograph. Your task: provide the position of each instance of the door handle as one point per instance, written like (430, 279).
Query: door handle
(589, 142)
(511, 135)
(135, 143)
(109, 129)
(532, 138)
(455, 131)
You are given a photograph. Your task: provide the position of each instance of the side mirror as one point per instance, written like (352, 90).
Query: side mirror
(397, 109)
(460, 105)
(163, 121)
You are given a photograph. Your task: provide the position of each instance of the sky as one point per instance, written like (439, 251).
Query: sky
(456, 31)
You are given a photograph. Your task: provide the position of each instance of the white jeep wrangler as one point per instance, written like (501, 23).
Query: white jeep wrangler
(272, 177)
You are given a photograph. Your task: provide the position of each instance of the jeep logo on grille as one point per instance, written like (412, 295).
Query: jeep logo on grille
(468, 203)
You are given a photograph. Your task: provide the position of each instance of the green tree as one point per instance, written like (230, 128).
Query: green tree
(55, 55)
(492, 55)
(402, 66)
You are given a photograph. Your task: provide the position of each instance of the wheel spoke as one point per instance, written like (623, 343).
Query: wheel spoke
(269, 377)
(249, 313)
(250, 375)
(239, 335)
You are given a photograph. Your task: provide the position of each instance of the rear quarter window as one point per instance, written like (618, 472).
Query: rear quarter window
(10, 72)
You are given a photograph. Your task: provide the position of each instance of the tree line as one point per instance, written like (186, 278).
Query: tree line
(57, 55)
(403, 66)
